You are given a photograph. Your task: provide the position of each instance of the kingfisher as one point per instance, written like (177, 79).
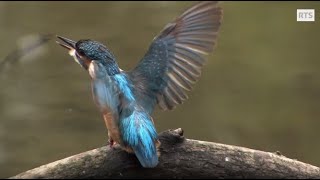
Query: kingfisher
(168, 70)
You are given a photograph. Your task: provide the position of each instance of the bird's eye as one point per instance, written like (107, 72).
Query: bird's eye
(80, 52)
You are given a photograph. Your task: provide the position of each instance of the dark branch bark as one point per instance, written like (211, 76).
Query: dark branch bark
(180, 158)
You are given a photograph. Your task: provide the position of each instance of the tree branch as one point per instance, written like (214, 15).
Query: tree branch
(180, 158)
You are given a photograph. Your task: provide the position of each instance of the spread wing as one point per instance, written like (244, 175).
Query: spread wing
(175, 58)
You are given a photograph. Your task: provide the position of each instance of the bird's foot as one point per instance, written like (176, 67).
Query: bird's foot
(111, 143)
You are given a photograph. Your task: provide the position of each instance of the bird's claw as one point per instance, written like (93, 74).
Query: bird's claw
(111, 143)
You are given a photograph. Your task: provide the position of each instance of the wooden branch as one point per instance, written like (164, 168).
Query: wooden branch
(180, 158)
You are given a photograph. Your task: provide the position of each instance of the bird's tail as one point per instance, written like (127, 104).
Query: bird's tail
(138, 132)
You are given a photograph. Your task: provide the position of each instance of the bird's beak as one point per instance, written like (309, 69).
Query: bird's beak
(66, 43)
(71, 46)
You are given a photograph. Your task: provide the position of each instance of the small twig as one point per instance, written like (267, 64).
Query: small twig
(18, 53)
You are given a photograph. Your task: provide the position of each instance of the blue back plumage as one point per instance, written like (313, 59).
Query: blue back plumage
(140, 134)
(124, 86)
(136, 126)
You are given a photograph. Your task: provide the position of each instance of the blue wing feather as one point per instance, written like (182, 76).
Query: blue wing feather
(174, 60)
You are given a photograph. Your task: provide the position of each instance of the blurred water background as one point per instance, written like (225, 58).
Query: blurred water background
(260, 88)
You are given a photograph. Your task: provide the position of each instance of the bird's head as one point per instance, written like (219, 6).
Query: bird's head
(85, 51)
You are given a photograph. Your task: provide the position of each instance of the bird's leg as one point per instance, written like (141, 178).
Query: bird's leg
(110, 140)
(108, 119)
